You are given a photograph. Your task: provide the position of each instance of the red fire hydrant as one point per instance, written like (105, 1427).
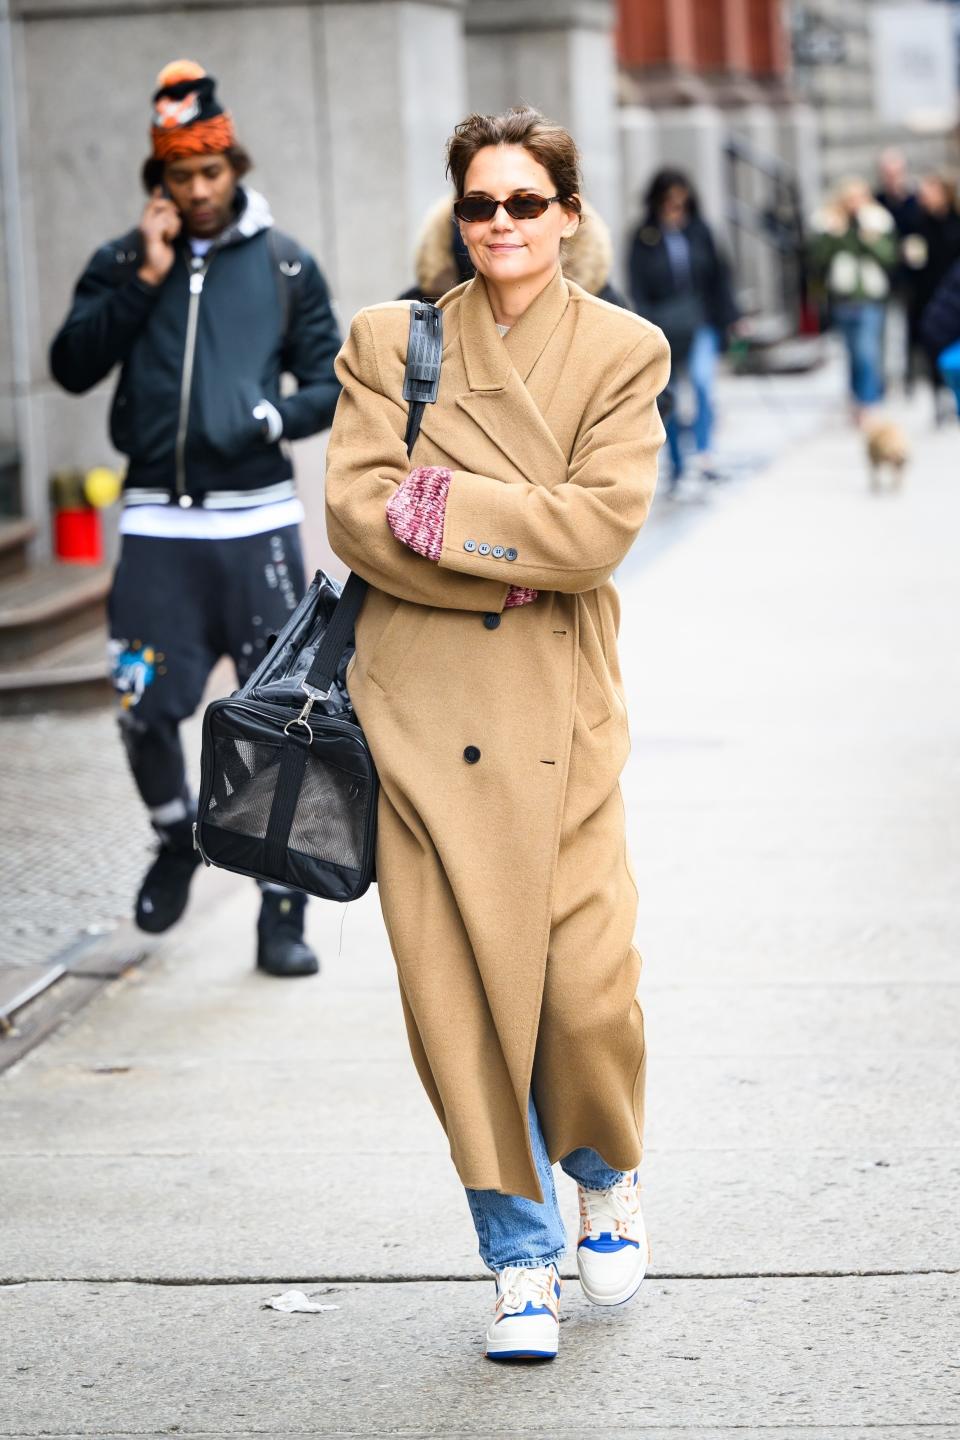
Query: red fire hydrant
(77, 498)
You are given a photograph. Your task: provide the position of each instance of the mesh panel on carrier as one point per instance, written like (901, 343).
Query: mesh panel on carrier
(331, 810)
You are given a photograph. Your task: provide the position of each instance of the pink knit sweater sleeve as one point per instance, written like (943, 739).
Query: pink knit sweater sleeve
(416, 512)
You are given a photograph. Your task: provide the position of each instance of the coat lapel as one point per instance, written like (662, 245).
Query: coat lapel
(497, 369)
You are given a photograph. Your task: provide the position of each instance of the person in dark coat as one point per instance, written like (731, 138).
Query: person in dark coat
(929, 250)
(940, 330)
(895, 190)
(680, 281)
(202, 307)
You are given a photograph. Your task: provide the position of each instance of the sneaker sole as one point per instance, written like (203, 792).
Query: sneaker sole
(499, 1355)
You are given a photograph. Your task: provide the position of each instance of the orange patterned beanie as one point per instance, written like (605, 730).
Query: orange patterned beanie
(187, 118)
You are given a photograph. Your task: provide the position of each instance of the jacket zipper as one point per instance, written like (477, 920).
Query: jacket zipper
(198, 270)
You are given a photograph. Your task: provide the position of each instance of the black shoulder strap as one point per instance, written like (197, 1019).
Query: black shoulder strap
(421, 380)
(421, 385)
(287, 268)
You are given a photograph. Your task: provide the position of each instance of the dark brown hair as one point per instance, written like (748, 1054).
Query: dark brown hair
(153, 169)
(664, 181)
(548, 143)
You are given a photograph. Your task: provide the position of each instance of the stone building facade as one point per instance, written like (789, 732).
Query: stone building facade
(835, 72)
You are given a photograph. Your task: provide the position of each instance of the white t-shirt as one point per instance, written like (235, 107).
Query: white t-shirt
(170, 522)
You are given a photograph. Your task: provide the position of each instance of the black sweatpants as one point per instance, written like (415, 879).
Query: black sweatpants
(176, 607)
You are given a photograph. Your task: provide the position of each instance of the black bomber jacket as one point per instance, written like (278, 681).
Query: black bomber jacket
(197, 355)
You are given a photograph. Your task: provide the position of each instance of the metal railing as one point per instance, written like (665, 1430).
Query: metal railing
(763, 199)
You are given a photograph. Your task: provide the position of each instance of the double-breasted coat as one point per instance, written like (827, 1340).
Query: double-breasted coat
(499, 735)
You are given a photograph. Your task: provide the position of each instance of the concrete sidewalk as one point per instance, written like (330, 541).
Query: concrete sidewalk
(202, 1137)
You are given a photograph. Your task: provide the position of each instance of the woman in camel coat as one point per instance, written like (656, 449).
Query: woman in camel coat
(487, 682)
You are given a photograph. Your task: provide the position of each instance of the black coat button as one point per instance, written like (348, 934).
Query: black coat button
(491, 621)
(471, 754)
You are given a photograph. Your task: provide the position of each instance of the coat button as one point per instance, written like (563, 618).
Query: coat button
(483, 549)
(498, 552)
(471, 754)
(511, 554)
(491, 621)
(470, 545)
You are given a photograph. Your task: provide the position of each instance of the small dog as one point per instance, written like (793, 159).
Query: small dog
(888, 452)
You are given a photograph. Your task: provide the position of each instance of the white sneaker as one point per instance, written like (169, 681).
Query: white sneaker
(613, 1250)
(526, 1320)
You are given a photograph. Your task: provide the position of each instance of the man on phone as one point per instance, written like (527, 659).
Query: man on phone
(204, 306)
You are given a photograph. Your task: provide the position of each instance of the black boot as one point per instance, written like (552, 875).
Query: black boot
(166, 886)
(281, 948)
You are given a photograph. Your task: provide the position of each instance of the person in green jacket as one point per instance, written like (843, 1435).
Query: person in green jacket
(853, 252)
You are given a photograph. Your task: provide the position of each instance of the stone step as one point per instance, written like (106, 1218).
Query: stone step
(15, 537)
(48, 605)
(72, 676)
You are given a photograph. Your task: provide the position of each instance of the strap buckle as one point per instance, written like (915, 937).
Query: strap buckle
(314, 694)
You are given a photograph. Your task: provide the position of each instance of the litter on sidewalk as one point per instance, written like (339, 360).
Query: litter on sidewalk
(295, 1302)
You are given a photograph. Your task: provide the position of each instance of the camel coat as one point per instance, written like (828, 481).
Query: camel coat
(499, 735)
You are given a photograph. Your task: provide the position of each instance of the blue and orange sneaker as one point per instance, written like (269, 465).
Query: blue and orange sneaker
(613, 1250)
(526, 1320)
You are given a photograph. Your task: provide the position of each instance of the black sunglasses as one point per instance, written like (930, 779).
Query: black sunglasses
(521, 206)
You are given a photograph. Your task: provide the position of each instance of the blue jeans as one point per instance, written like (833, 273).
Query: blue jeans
(701, 367)
(516, 1231)
(860, 322)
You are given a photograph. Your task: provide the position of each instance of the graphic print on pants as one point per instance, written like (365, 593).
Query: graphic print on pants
(133, 666)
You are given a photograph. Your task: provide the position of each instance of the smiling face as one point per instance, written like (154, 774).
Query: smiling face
(514, 252)
(203, 188)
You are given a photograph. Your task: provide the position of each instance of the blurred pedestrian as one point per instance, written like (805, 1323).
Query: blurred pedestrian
(486, 679)
(442, 260)
(895, 190)
(853, 250)
(680, 281)
(929, 250)
(940, 330)
(203, 305)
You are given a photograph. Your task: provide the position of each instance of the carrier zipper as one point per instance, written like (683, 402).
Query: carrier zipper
(254, 707)
(198, 270)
